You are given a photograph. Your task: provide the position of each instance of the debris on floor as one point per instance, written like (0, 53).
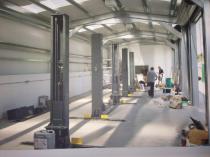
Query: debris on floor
(198, 137)
(195, 134)
(176, 101)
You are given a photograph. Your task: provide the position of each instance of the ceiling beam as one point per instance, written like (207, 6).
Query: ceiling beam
(136, 34)
(173, 6)
(171, 30)
(89, 30)
(147, 10)
(23, 17)
(20, 17)
(171, 45)
(74, 31)
(77, 5)
(129, 18)
(143, 42)
(44, 7)
(199, 3)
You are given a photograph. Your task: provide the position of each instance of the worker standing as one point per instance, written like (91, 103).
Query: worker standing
(160, 75)
(151, 77)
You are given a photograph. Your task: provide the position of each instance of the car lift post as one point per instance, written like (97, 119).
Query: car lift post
(115, 75)
(59, 88)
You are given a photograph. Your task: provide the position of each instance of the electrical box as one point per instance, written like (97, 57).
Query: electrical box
(44, 139)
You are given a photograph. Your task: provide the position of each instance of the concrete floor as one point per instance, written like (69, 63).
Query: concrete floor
(148, 122)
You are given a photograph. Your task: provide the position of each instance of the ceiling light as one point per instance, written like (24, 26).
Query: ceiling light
(156, 23)
(111, 21)
(82, 30)
(16, 8)
(54, 4)
(166, 0)
(33, 8)
(110, 24)
(80, 1)
(144, 22)
(92, 27)
(126, 36)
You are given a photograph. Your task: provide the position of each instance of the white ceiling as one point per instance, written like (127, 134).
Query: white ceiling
(89, 9)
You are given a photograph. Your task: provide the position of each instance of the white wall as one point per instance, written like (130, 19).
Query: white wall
(14, 91)
(152, 55)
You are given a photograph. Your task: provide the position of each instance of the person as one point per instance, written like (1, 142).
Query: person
(160, 75)
(151, 77)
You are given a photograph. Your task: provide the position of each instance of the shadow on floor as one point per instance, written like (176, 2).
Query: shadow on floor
(96, 134)
(5, 123)
(127, 131)
(78, 126)
(11, 138)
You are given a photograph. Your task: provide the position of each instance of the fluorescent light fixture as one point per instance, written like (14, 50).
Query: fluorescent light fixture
(126, 36)
(82, 30)
(16, 8)
(92, 27)
(80, 1)
(110, 24)
(156, 23)
(54, 4)
(33, 8)
(166, 0)
(144, 22)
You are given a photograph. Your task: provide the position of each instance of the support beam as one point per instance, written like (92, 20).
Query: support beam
(199, 3)
(130, 18)
(194, 65)
(115, 75)
(125, 71)
(171, 45)
(171, 30)
(176, 64)
(23, 18)
(142, 42)
(77, 5)
(136, 35)
(97, 75)
(184, 66)
(147, 10)
(89, 30)
(59, 113)
(206, 34)
(75, 30)
(132, 72)
(172, 7)
(44, 7)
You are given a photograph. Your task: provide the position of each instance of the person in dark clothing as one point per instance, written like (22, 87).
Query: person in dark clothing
(151, 77)
(160, 75)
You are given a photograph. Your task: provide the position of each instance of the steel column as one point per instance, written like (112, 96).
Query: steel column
(184, 66)
(115, 74)
(194, 65)
(179, 64)
(125, 71)
(59, 114)
(206, 34)
(132, 72)
(97, 75)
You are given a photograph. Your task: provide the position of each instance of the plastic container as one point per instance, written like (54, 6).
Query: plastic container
(169, 83)
(44, 139)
